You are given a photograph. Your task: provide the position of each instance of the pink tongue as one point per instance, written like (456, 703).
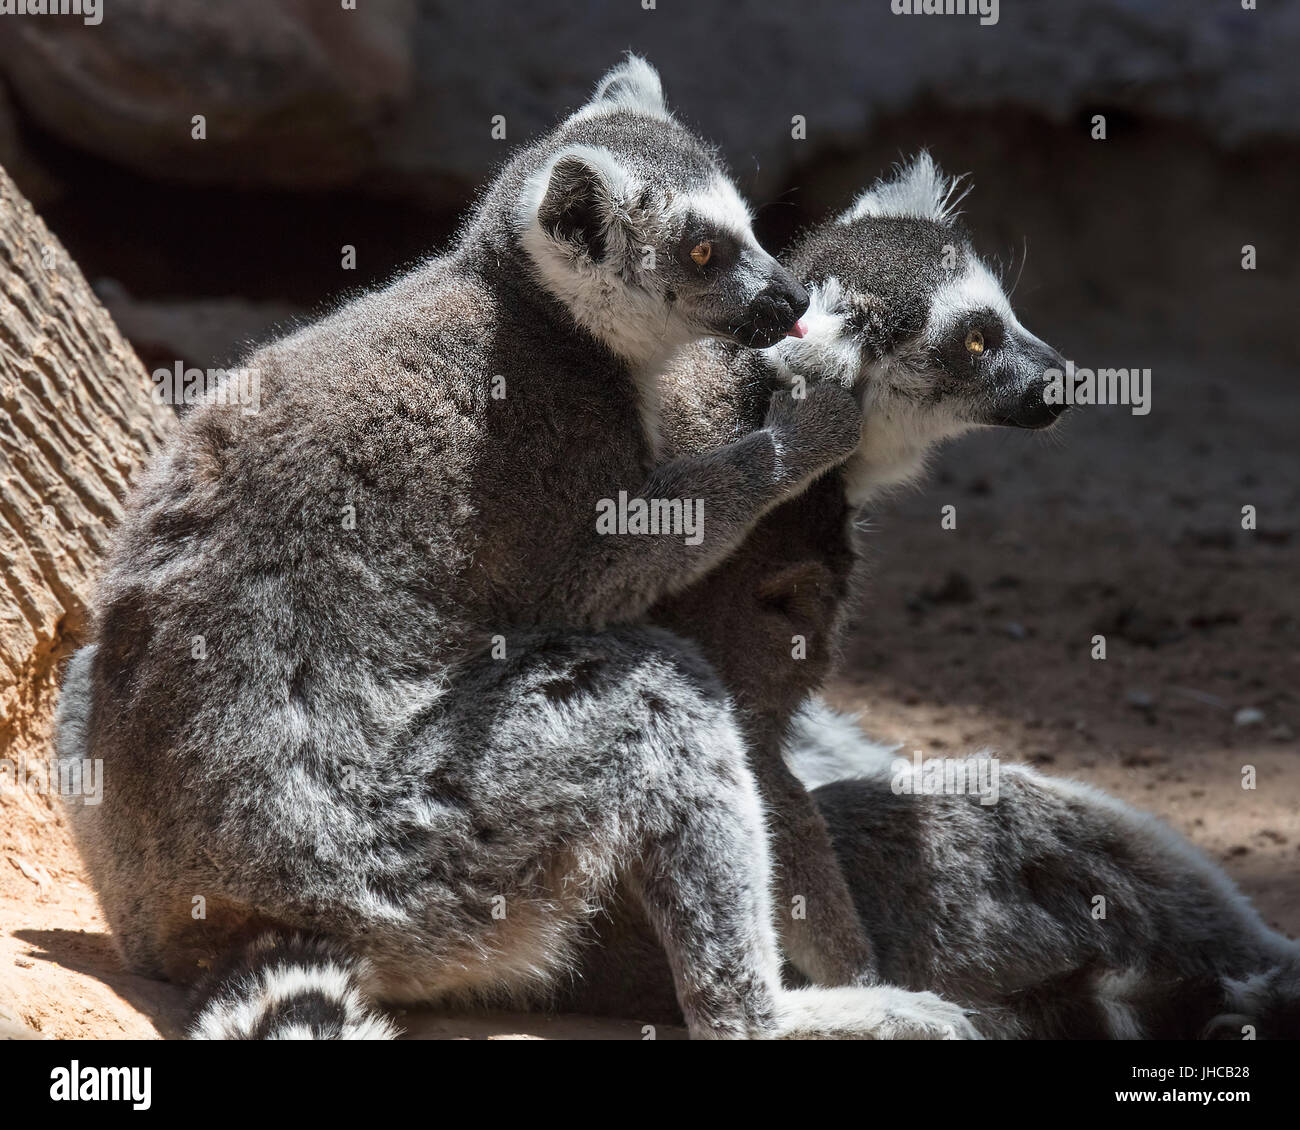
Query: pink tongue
(799, 329)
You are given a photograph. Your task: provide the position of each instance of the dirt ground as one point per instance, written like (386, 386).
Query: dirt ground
(1117, 525)
(1127, 527)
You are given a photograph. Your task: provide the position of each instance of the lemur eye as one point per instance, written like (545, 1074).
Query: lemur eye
(975, 342)
(701, 252)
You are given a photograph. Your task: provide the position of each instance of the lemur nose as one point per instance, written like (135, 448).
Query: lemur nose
(799, 300)
(1034, 410)
(787, 289)
(772, 314)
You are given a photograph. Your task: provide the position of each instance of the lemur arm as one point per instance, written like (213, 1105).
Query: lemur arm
(731, 488)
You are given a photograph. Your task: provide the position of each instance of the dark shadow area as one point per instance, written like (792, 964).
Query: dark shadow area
(93, 956)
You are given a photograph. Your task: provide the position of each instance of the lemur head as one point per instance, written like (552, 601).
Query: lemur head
(634, 224)
(904, 310)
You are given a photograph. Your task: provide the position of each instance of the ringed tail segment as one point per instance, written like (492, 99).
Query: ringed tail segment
(289, 987)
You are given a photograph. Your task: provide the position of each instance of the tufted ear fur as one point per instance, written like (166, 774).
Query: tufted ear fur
(583, 203)
(917, 190)
(632, 87)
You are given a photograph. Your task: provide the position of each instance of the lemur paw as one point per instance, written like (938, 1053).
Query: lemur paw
(881, 1012)
(818, 429)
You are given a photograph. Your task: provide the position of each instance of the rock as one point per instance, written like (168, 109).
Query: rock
(1141, 627)
(407, 92)
(294, 94)
(1203, 697)
(1140, 700)
(1248, 716)
(12, 1026)
(12, 1031)
(1089, 52)
(205, 333)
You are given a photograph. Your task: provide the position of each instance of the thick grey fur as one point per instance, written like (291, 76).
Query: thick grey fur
(991, 907)
(304, 722)
(995, 907)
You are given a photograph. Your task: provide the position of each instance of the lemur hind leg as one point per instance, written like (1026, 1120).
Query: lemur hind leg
(624, 971)
(618, 751)
(579, 760)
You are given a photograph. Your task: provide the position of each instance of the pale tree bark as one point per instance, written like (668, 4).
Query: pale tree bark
(77, 422)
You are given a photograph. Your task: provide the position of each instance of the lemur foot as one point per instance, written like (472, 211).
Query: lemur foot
(881, 1012)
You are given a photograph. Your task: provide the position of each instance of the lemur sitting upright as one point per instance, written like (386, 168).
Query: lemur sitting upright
(353, 674)
(989, 906)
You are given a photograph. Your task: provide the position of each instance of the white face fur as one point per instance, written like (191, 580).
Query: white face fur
(649, 259)
(969, 364)
(898, 433)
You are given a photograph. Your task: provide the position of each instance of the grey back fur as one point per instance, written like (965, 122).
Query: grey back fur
(1057, 912)
(989, 906)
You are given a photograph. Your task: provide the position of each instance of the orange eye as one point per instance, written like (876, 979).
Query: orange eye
(701, 252)
(975, 342)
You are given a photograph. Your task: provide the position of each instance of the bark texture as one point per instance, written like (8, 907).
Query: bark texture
(77, 421)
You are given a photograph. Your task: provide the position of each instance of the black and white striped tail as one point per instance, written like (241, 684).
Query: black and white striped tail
(289, 987)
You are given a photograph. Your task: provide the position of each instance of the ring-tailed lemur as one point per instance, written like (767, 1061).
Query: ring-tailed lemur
(904, 313)
(997, 907)
(990, 907)
(352, 678)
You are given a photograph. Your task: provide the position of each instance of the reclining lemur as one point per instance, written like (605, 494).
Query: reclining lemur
(367, 669)
(991, 906)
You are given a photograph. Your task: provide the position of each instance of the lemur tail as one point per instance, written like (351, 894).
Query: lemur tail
(289, 987)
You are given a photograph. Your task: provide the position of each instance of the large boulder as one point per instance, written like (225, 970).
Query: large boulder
(295, 93)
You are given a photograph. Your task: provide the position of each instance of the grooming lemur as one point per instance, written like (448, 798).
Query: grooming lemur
(990, 906)
(364, 663)
(907, 316)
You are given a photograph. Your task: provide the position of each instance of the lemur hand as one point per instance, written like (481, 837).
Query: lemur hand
(817, 430)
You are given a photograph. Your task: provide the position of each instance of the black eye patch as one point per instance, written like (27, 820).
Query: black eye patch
(718, 248)
(976, 336)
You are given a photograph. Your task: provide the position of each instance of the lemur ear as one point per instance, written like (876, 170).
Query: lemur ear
(582, 204)
(632, 87)
(918, 190)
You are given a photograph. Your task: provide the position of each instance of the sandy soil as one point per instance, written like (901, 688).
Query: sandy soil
(1128, 527)
(980, 636)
